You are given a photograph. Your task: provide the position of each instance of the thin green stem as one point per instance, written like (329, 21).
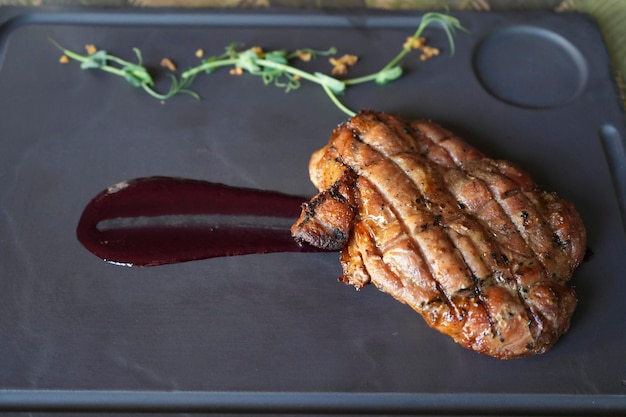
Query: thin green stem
(397, 59)
(74, 55)
(447, 22)
(289, 69)
(153, 93)
(81, 58)
(113, 70)
(361, 80)
(337, 102)
(120, 61)
(208, 66)
(426, 20)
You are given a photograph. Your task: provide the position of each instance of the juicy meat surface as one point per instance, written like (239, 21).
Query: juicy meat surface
(470, 243)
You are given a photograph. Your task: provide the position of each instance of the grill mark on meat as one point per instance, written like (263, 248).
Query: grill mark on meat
(558, 253)
(520, 179)
(431, 134)
(513, 300)
(433, 305)
(458, 150)
(446, 295)
(461, 206)
(537, 320)
(404, 186)
(429, 281)
(522, 226)
(440, 136)
(396, 154)
(534, 321)
(461, 185)
(494, 196)
(389, 280)
(452, 201)
(495, 266)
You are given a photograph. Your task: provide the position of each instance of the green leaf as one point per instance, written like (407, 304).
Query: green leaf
(247, 61)
(389, 74)
(96, 60)
(136, 75)
(277, 56)
(335, 85)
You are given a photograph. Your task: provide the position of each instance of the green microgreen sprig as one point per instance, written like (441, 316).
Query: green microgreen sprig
(136, 74)
(274, 67)
(392, 70)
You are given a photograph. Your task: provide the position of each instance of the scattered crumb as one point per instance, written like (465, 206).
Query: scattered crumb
(420, 43)
(340, 65)
(428, 52)
(304, 56)
(259, 51)
(414, 43)
(167, 63)
(199, 53)
(64, 59)
(91, 49)
(236, 71)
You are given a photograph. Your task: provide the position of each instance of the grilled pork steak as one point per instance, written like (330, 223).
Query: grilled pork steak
(470, 243)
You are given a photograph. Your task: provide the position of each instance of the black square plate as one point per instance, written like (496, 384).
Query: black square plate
(277, 333)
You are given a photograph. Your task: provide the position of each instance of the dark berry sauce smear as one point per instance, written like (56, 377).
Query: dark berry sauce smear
(164, 220)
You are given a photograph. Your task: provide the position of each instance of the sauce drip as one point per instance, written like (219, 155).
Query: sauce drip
(164, 220)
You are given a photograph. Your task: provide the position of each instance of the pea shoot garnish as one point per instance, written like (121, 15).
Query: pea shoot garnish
(274, 67)
(136, 74)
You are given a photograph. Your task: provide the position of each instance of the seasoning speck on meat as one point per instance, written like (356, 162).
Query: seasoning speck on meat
(470, 243)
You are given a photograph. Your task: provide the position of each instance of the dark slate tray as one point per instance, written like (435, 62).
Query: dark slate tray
(277, 333)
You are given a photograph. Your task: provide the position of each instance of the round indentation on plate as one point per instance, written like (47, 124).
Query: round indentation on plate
(530, 67)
